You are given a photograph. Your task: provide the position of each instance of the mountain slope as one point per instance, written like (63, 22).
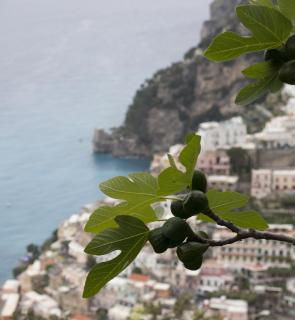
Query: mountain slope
(183, 95)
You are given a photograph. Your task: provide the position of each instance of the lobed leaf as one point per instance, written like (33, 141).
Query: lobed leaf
(261, 70)
(266, 3)
(287, 7)
(189, 156)
(171, 181)
(269, 29)
(129, 238)
(104, 217)
(223, 204)
(246, 219)
(171, 161)
(254, 91)
(137, 187)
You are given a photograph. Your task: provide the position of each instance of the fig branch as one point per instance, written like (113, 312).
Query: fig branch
(241, 234)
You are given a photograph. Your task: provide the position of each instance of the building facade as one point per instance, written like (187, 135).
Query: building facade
(214, 162)
(252, 252)
(266, 181)
(223, 183)
(279, 133)
(225, 134)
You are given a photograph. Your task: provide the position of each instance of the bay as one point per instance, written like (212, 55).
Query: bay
(66, 67)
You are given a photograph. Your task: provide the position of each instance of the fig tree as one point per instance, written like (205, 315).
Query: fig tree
(290, 48)
(194, 203)
(176, 229)
(177, 209)
(158, 241)
(287, 72)
(199, 181)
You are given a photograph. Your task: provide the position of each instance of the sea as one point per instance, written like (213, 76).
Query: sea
(66, 67)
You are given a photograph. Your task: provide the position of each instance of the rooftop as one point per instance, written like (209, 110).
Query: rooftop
(139, 277)
(10, 286)
(228, 179)
(229, 305)
(10, 304)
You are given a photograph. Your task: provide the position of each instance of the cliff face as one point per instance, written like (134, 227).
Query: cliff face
(183, 95)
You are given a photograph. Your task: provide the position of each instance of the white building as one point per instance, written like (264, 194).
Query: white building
(227, 308)
(289, 93)
(42, 305)
(225, 134)
(265, 182)
(223, 183)
(251, 252)
(8, 305)
(214, 277)
(278, 133)
(11, 286)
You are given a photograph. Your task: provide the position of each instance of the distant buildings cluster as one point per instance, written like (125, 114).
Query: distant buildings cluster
(218, 138)
(51, 288)
(267, 181)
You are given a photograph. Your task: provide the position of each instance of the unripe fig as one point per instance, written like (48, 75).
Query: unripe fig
(287, 72)
(273, 55)
(199, 181)
(290, 48)
(177, 209)
(195, 202)
(158, 241)
(194, 265)
(176, 229)
(202, 234)
(174, 243)
(190, 251)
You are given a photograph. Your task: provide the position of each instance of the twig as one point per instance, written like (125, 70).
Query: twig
(242, 234)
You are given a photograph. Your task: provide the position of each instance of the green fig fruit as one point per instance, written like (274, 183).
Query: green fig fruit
(158, 241)
(176, 229)
(275, 56)
(290, 48)
(194, 203)
(174, 243)
(202, 234)
(199, 181)
(190, 251)
(177, 209)
(194, 265)
(287, 72)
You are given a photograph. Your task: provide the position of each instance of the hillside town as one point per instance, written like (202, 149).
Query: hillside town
(246, 280)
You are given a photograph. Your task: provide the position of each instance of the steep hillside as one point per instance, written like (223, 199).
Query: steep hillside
(183, 95)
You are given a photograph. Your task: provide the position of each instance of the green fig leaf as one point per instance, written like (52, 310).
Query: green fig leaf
(189, 156)
(261, 70)
(287, 7)
(254, 91)
(223, 204)
(269, 29)
(129, 237)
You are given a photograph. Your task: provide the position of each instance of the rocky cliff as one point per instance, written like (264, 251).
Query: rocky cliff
(183, 95)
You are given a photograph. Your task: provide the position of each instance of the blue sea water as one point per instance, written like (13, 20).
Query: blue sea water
(67, 66)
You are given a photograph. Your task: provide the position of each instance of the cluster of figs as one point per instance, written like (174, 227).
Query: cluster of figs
(177, 233)
(285, 59)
